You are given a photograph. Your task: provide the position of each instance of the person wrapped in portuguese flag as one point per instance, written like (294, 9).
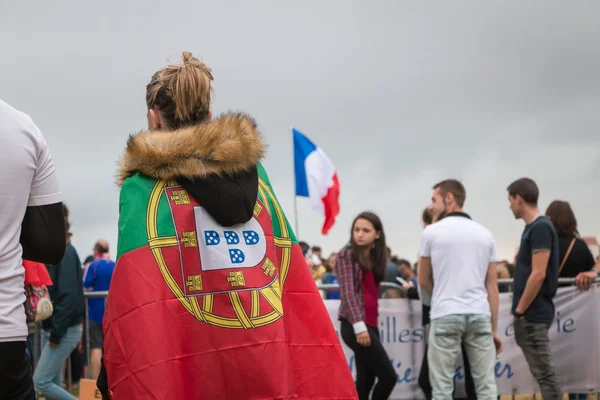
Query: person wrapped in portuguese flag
(211, 297)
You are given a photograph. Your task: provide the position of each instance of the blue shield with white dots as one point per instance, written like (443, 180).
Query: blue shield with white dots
(212, 238)
(231, 237)
(237, 256)
(251, 238)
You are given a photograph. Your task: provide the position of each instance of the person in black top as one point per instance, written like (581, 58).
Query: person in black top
(574, 253)
(535, 285)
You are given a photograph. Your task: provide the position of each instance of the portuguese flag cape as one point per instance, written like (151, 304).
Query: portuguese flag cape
(198, 310)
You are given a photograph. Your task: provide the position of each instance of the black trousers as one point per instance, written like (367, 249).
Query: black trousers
(371, 362)
(16, 380)
(77, 363)
(102, 381)
(425, 384)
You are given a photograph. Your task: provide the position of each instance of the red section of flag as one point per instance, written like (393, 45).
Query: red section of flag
(156, 349)
(331, 203)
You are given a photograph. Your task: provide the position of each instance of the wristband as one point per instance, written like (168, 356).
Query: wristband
(518, 315)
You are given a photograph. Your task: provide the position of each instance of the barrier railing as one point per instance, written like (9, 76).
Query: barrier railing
(391, 285)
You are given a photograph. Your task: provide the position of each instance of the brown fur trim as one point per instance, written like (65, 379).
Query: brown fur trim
(223, 146)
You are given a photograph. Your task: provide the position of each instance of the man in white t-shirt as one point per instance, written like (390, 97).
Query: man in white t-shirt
(32, 227)
(457, 266)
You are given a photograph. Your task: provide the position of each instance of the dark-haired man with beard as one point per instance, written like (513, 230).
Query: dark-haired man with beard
(458, 266)
(430, 216)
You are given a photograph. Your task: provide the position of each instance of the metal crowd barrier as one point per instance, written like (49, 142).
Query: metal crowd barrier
(390, 285)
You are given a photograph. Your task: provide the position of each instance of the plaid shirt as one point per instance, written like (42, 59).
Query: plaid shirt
(350, 274)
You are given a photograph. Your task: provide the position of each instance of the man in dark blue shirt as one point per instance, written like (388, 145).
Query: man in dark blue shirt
(535, 285)
(97, 279)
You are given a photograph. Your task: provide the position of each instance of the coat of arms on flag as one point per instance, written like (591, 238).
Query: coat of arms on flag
(239, 261)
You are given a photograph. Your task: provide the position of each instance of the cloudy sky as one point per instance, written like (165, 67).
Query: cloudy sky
(399, 95)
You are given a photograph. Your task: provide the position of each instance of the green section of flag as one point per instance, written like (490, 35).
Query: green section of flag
(133, 208)
(133, 205)
(262, 173)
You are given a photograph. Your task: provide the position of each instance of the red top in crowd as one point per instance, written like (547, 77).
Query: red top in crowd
(370, 293)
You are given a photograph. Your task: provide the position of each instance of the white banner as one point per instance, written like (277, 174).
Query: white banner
(574, 336)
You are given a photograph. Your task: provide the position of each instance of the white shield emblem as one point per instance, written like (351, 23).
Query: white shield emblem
(239, 246)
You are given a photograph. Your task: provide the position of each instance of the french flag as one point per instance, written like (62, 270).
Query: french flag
(316, 178)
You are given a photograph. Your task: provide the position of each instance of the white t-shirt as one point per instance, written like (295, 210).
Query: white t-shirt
(460, 251)
(27, 178)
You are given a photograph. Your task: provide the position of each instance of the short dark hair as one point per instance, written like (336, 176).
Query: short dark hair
(455, 187)
(401, 261)
(100, 248)
(427, 216)
(563, 218)
(527, 189)
(316, 248)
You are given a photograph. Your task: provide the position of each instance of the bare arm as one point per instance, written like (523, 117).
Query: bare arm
(491, 284)
(425, 274)
(584, 280)
(539, 264)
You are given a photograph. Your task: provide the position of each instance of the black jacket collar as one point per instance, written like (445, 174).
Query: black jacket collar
(457, 214)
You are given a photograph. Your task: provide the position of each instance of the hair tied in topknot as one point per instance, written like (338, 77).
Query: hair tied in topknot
(188, 58)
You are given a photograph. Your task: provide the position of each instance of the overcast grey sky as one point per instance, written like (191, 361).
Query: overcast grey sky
(399, 95)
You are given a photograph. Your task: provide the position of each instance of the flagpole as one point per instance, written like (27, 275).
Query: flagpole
(296, 228)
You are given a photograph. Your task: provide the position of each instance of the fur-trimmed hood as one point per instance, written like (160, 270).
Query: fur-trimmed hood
(225, 146)
(215, 162)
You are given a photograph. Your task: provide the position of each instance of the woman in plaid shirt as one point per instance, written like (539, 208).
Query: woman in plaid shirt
(361, 268)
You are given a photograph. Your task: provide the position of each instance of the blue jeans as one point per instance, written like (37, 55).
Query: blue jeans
(445, 338)
(48, 374)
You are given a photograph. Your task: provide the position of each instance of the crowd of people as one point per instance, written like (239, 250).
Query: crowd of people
(560, 212)
(204, 250)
